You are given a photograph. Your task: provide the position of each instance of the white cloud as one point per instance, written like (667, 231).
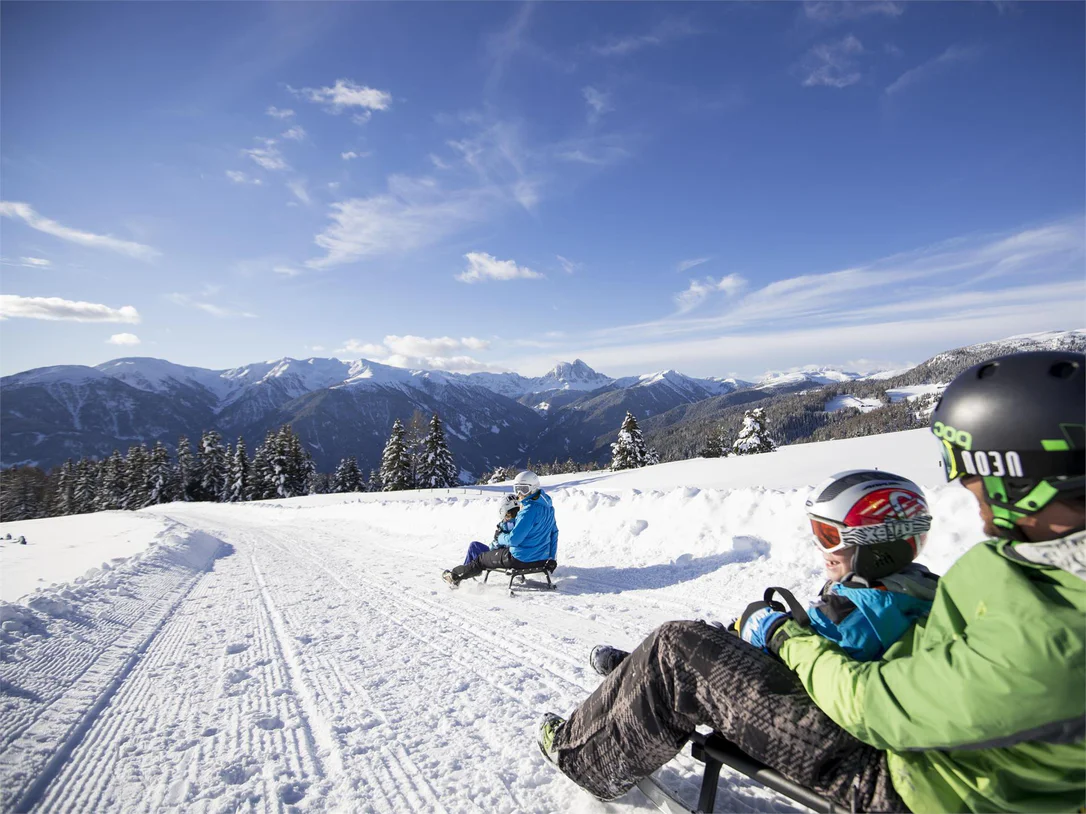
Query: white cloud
(414, 213)
(366, 350)
(416, 346)
(597, 101)
(39, 262)
(835, 10)
(686, 265)
(276, 113)
(123, 339)
(601, 151)
(346, 94)
(833, 64)
(666, 31)
(25, 213)
(952, 55)
(286, 271)
(298, 190)
(209, 308)
(699, 290)
(482, 266)
(568, 266)
(241, 178)
(296, 133)
(317, 348)
(350, 155)
(438, 163)
(56, 309)
(268, 156)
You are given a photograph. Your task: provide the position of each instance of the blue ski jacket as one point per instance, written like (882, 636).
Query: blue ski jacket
(535, 535)
(501, 538)
(864, 621)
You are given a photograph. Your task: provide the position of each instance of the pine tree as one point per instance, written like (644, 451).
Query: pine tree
(629, 451)
(415, 444)
(713, 448)
(348, 477)
(395, 462)
(86, 486)
(261, 474)
(187, 487)
(210, 474)
(65, 489)
(111, 485)
(137, 489)
(238, 487)
(373, 484)
(437, 469)
(162, 479)
(753, 436)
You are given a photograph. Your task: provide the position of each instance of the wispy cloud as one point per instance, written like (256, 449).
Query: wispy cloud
(25, 213)
(57, 309)
(295, 133)
(568, 266)
(483, 266)
(26, 262)
(833, 64)
(364, 349)
(298, 190)
(600, 151)
(277, 113)
(351, 155)
(686, 265)
(346, 94)
(123, 339)
(268, 156)
(700, 290)
(239, 177)
(208, 307)
(598, 103)
(952, 55)
(286, 271)
(960, 290)
(837, 10)
(439, 163)
(422, 353)
(668, 30)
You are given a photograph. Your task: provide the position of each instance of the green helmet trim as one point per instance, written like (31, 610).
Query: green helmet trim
(1007, 516)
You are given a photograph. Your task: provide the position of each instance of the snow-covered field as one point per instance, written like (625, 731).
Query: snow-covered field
(305, 653)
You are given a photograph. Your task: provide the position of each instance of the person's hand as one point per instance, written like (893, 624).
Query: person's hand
(760, 626)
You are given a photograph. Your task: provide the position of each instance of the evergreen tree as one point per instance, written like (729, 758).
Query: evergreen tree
(187, 484)
(374, 482)
(86, 486)
(22, 493)
(65, 489)
(137, 487)
(437, 469)
(714, 447)
(629, 451)
(238, 487)
(262, 474)
(162, 482)
(348, 477)
(753, 436)
(395, 461)
(210, 475)
(415, 444)
(111, 485)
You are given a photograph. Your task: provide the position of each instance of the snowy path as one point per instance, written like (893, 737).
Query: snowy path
(312, 667)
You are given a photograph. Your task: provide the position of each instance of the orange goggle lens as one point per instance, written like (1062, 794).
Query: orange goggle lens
(827, 537)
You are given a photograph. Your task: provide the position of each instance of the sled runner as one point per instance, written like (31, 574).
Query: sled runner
(715, 751)
(544, 567)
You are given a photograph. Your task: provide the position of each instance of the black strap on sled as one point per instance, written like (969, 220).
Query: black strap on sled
(716, 751)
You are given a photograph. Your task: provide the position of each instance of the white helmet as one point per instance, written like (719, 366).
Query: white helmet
(884, 515)
(525, 483)
(507, 504)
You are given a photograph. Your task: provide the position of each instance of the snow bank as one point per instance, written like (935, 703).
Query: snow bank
(60, 549)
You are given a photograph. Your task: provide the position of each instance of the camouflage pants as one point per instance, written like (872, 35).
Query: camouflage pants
(690, 673)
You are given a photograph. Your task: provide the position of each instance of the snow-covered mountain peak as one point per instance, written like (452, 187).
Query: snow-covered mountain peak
(808, 374)
(159, 375)
(574, 375)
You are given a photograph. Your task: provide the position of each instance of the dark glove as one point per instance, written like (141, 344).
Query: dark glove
(762, 622)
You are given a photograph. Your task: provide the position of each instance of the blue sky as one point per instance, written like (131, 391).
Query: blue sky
(717, 188)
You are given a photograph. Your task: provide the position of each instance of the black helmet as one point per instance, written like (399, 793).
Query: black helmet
(1018, 421)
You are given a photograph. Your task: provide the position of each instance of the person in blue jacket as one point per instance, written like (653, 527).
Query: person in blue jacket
(869, 526)
(533, 538)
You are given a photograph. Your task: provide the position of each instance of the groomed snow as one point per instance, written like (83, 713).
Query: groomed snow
(306, 653)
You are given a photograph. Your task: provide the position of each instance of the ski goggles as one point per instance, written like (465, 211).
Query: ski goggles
(829, 535)
(522, 489)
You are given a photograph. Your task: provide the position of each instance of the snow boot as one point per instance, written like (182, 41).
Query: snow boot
(450, 578)
(548, 729)
(605, 658)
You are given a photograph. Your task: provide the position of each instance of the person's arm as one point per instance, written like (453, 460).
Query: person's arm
(1000, 680)
(523, 524)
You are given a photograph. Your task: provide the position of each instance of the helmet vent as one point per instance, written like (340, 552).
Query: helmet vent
(987, 371)
(1063, 370)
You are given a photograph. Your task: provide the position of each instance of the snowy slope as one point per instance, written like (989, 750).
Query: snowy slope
(305, 652)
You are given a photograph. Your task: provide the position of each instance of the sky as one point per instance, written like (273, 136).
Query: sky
(721, 189)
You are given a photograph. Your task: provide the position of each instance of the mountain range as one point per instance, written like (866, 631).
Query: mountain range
(341, 408)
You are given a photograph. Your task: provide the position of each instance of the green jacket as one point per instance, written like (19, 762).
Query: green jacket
(981, 706)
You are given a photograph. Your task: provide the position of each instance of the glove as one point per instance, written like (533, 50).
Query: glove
(762, 623)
